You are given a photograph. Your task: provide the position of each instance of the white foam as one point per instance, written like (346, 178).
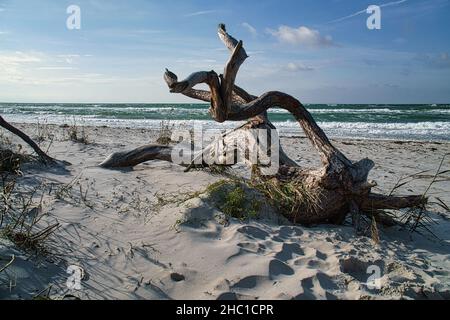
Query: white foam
(408, 131)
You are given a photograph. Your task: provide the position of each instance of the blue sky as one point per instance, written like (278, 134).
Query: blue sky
(319, 51)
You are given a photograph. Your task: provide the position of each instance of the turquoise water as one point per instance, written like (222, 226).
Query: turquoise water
(416, 122)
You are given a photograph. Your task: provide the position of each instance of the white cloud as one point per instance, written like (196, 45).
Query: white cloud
(38, 68)
(295, 67)
(19, 57)
(13, 65)
(303, 36)
(200, 13)
(56, 68)
(250, 28)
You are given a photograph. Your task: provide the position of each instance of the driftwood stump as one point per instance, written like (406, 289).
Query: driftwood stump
(324, 195)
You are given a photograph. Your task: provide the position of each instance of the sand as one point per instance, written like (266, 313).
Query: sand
(135, 237)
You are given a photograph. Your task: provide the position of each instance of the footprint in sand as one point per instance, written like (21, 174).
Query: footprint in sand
(257, 248)
(308, 290)
(320, 255)
(288, 251)
(228, 296)
(250, 282)
(289, 232)
(316, 264)
(277, 267)
(358, 269)
(326, 281)
(254, 232)
(317, 287)
(248, 248)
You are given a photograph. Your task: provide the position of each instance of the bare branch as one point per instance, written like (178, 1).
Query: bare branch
(188, 83)
(312, 130)
(244, 95)
(45, 158)
(198, 94)
(378, 201)
(231, 43)
(137, 156)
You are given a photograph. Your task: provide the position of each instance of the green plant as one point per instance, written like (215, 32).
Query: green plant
(234, 200)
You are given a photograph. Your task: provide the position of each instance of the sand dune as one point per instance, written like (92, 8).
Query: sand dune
(136, 239)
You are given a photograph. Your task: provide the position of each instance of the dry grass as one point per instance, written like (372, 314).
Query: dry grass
(165, 133)
(12, 156)
(11, 161)
(77, 133)
(75, 192)
(290, 198)
(20, 215)
(20, 210)
(418, 219)
(44, 135)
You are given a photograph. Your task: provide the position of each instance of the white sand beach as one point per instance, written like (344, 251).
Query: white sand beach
(151, 232)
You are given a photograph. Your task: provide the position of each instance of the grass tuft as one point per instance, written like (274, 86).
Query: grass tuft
(234, 200)
(11, 156)
(290, 198)
(11, 161)
(165, 133)
(77, 134)
(20, 216)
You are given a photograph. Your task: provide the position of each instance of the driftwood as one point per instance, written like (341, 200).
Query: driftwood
(44, 157)
(340, 187)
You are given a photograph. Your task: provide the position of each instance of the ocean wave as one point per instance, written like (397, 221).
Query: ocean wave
(402, 130)
(203, 109)
(408, 131)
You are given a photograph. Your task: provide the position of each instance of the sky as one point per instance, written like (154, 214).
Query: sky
(318, 51)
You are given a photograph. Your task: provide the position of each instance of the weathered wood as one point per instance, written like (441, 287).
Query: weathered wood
(229, 77)
(134, 157)
(378, 201)
(338, 188)
(45, 158)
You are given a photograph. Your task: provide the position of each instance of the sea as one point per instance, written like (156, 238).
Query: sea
(423, 122)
